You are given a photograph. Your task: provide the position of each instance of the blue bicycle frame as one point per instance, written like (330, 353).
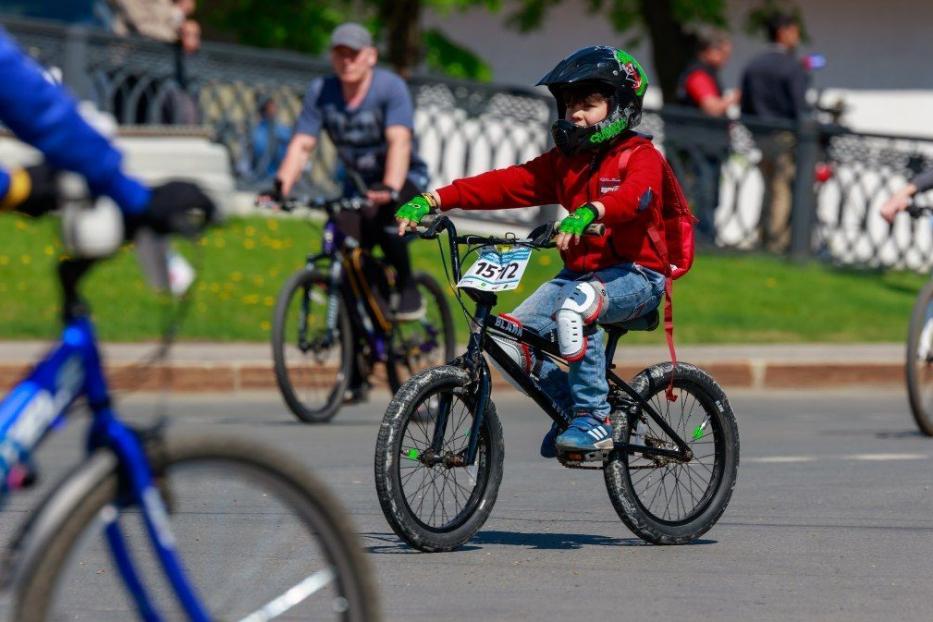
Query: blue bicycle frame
(40, 403)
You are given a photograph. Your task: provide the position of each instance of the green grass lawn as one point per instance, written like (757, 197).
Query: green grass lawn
(727, 298)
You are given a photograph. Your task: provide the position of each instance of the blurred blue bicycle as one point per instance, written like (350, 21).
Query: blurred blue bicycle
(200, 527)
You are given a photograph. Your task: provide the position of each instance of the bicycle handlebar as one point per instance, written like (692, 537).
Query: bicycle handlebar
(916, 211)
(331, 206)
(540, 237)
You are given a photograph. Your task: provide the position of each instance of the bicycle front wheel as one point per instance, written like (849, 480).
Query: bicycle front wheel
(437, 503)
(311, 354)
(920, 360)
(257, 535)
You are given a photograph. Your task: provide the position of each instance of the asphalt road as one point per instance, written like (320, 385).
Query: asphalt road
(831, 519)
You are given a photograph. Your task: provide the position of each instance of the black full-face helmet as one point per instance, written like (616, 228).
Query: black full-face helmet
(610, 70)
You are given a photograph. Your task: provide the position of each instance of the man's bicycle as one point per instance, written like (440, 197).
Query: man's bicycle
(166, 527)
(338, 312)
(919, 366)
(439, 454)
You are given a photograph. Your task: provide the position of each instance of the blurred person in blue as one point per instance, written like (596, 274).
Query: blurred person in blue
(44, 114)
(369, 116)
(268, 141)
(774, 87)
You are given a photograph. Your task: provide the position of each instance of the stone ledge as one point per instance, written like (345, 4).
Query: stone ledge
(233, 376)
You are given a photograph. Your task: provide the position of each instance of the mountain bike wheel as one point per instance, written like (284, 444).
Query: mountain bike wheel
(421, 344)
(257, 535)
(439, 507)
(312, 363)
(663, 500)
(919, 365)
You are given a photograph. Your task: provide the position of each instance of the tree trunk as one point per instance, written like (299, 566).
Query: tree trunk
(402, 19)
(671, 46)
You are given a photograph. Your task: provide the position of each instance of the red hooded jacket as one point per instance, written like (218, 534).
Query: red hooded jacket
(573, 181)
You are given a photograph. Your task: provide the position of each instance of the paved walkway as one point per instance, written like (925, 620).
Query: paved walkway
(211, 366)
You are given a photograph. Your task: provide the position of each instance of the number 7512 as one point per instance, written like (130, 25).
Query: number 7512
(488, 270)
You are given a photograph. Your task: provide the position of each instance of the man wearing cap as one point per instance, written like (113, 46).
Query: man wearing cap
(368, 114)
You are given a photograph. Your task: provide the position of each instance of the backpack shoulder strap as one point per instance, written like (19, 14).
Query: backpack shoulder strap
(660, 245)
(626, 153)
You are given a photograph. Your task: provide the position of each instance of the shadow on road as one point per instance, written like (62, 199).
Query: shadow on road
(537, 541)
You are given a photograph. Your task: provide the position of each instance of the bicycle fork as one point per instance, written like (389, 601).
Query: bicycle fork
(143, 492)
(331, 316)
(477, 363)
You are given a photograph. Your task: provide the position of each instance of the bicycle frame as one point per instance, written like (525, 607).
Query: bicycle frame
(484, 320)
(331, 249)
(39, 404)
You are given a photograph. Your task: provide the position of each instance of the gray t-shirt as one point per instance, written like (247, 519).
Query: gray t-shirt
(359, 133)
(923, 181)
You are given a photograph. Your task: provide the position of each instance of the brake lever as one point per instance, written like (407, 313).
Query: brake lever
(435, 226)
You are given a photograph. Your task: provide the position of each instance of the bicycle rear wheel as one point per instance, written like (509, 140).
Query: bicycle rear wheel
(251, 527)
(665, 500)
(312, 360)
(919, 365)
(421, 344)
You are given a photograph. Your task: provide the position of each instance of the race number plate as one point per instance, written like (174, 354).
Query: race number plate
(498, 269)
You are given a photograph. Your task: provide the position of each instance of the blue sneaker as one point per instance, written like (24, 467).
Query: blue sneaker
(586, 433)
(548, 450)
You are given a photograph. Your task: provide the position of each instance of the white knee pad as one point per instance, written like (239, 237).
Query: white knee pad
(520, 353)
(580, 308)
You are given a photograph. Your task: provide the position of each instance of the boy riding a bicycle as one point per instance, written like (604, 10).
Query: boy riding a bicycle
(600, 170)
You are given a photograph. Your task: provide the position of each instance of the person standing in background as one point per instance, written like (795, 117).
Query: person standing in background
(774, 87)
(699, 88)
(181, 108)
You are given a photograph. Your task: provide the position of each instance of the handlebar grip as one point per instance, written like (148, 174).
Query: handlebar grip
(593, 229)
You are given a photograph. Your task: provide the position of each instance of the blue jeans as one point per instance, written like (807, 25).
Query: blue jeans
(632, 291)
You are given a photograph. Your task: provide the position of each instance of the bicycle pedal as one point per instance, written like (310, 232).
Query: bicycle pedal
(583, 459)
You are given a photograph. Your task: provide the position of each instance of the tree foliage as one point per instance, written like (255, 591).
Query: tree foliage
(668, 24)
(305, 25)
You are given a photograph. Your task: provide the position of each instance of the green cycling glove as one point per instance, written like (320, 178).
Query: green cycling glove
(417, 208)
(576, 223)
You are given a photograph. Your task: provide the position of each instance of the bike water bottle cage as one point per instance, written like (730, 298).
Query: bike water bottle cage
(581, 308)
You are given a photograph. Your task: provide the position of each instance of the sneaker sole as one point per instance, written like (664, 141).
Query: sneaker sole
(605, 444)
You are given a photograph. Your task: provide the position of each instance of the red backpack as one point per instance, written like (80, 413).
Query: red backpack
(673, 242)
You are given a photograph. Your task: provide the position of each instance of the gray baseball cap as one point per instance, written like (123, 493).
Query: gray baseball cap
(351, 35)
